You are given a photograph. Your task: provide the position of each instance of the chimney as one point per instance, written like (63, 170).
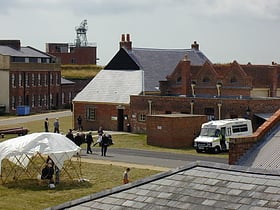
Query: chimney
(11, 43)
(195, 46)
(125, 42)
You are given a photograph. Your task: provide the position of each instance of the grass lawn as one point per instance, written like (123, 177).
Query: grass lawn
(29, 194)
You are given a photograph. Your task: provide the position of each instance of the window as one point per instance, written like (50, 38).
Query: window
(51, 99)
(26, 80)
(57, 79)
(18, 59)
(45, 100)
(91, 113)
(69, 97)
(33, 101)
(233, 80)
(20, 82)
(32, 79)
(239, 128)
(39, 80)
(142, 117)
(62, 98)
(13, 80)
(13, 102)
(39, 101)
(20, 100)
(179, 80)
(45, 80)
(33, 60)
(51, 78)
(206, 79)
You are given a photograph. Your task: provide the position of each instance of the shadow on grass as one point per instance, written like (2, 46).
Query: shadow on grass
(39, 185)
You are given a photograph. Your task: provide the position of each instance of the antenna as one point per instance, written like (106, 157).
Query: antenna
(81, 37)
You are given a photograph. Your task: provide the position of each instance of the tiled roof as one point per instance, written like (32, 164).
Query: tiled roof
(112, 86)
(159, 63)
(265, 155)
(23, 52)
(200, 185)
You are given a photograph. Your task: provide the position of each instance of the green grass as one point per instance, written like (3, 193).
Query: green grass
(29, 194)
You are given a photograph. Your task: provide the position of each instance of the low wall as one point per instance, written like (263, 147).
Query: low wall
(239, 146)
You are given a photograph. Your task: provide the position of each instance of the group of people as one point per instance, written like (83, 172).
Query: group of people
(104, 140)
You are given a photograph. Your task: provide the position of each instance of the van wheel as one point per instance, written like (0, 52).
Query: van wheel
(198, 150)
(217, 149)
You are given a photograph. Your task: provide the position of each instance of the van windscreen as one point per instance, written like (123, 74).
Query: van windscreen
(212, 132)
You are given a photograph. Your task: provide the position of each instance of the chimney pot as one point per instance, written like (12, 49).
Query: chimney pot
(123, 38)
(195, 45)
(128, 37)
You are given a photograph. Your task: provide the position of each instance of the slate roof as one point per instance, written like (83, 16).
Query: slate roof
(23, 52)
(199, 185)
(159, 63)
(265, 155)
(112, 87)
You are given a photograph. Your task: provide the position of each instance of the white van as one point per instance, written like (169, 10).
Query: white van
(214, 135)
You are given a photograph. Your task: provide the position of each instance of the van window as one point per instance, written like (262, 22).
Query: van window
(212, 132)
(239, 128)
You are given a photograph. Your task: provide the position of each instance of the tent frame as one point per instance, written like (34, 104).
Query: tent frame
(16, 169)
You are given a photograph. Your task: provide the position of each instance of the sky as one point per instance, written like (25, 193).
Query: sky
(226, 30)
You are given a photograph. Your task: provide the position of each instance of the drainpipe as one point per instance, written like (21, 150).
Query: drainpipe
(150, 107)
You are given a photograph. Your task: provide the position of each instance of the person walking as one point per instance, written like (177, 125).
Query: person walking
(56, 126)
(89, 141)
(46, 125)
(70, 135)
(125, 176)
(104, 144)
(79, 120)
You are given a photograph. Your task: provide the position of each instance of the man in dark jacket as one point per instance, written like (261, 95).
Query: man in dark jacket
(89, 141)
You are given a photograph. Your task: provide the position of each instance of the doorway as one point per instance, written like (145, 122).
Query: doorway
(120, 119)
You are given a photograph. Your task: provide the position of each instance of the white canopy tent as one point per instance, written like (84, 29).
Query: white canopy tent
(20, 150)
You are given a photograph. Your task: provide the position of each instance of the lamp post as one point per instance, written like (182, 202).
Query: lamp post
(192, 103)
(219, 110)
(150, 107)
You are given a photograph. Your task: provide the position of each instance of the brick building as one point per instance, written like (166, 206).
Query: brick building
(69, 54)
(132, 71)
(29, 77)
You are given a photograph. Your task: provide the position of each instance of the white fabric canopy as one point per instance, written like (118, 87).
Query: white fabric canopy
(57, 146)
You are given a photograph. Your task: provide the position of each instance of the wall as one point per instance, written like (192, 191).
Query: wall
(4, 90)
(173, 130)
(106, 115)
(230, 107)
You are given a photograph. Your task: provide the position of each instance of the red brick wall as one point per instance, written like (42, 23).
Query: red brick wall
(80, 56)
(173, 131)
(106, 115)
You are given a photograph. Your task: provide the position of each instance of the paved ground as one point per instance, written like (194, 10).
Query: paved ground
(29, 118)
(146, 159)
